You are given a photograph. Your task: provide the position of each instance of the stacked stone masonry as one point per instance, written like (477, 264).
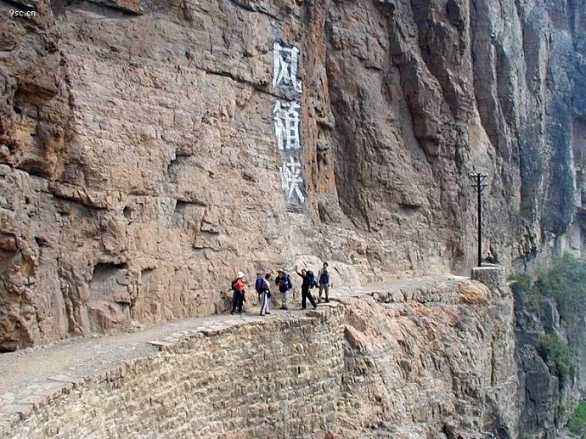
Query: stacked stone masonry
(396, 361)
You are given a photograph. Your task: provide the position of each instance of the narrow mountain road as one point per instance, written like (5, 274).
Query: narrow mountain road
(32, 376)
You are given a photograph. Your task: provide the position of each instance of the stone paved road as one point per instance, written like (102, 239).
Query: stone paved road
(30, 376)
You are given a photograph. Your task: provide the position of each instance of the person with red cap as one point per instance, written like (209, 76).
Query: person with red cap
(238, 286)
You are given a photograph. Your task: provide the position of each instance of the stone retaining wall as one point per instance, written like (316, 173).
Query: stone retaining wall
(361, 367)
(277, 379)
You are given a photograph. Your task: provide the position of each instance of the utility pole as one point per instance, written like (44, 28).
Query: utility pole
(479, 183)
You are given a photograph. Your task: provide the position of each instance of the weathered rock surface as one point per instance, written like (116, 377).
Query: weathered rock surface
(139, 169)
(548, 395)
(419, 359)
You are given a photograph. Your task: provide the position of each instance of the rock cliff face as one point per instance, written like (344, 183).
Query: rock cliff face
(546, 397)
(140, 168)
(551, 346)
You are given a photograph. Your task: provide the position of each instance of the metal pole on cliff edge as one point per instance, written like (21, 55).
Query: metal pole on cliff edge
(478, 188)
(479, 184)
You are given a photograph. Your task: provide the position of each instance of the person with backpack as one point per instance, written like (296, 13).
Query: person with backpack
(283, 282)
(238, 286)
(265, 295)
(308, 283)
(324, 282)
(259, 284)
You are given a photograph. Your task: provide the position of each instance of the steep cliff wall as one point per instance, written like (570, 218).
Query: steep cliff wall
(551, 343)
(429, 358)
(140, 168)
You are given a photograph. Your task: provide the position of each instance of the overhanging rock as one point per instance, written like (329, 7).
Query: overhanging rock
(131, 6)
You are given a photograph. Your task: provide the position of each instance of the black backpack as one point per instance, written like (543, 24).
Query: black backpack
(311, 279)
(284, 283)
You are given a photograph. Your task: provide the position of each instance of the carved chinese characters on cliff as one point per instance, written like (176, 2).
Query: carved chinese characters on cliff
(286, 65)
(291, 180)
(287, 122)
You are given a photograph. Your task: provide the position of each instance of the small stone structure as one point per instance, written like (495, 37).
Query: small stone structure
(491, 275)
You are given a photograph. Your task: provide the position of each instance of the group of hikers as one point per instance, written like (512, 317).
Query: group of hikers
(285, 286)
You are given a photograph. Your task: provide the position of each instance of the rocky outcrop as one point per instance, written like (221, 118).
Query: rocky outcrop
(544, 393)
(139, 167)
(425, 358)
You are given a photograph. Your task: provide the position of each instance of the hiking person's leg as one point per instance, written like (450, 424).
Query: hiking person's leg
(240, 302)
(234, 302)
(311, 299)
(284, 304)
(304, 292)
(327, 289)
(264, 304)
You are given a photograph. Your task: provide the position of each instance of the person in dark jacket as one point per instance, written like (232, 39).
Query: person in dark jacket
(283, 282)
(308, 282)
(324, 282)
(265, 295)
(259, 285)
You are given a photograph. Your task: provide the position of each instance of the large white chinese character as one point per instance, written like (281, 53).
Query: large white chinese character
(291, 179)
(286, 65)
(286, 120)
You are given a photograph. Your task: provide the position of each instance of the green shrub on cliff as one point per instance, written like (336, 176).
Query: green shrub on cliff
(532, 298)
(557, 354)
(565, 281)
(577, 423)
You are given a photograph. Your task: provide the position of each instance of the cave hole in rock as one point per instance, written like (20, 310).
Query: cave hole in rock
(145, 276)
(41, 242)
(34, 168)
(127, 212)
(108, 278)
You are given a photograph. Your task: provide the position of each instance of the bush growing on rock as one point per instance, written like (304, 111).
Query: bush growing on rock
(565, 281)
(558, 355)
(577, 424)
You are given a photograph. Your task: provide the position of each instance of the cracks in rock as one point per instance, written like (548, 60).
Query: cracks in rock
(22, 5)
(78, 201)
(106, 9)
(174, 164)
(182, 205)
(426, 53)
(248, 8)
(235, 78)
